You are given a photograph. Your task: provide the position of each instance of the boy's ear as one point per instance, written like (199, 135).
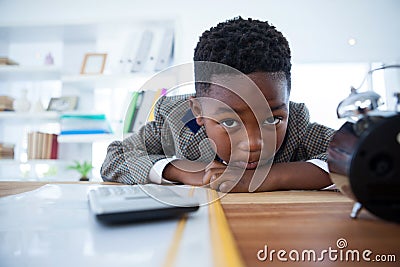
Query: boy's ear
(196, 110)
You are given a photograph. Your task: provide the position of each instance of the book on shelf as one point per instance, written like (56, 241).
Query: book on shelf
(142, 52)
(42, 145)
(159, 93)
(143, 106)
(141, 109)
(165, 50)
(6, 103)
(6, 151)
(84, 124)
(130, 112)
(7, 61)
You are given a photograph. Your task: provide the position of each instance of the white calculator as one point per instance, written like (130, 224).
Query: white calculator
(136, 203)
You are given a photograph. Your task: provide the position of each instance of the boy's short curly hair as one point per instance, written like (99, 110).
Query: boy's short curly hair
(246, 45)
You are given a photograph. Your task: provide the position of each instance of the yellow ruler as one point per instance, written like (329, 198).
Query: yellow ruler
(224, 249)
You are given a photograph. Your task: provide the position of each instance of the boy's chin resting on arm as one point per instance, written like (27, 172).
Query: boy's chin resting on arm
(279, 176)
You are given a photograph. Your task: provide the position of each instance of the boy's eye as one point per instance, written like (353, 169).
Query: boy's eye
(230, 123)
(272, 120)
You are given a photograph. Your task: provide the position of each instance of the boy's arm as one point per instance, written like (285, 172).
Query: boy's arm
(296, 175)
(130, 161)
(185, 171)
(281, 176)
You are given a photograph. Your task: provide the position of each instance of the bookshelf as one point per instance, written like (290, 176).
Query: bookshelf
(104, 93)
(29, 73)
(38, 116)
(87, 138)
(36, 170)
(105, 80)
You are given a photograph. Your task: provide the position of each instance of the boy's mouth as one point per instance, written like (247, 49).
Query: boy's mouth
(251, 165)
(248, 165)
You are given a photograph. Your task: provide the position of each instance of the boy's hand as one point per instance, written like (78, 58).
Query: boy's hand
(225, 178)
(279, 176)
(186, 172)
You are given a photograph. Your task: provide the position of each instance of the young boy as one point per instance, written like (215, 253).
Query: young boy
(238, 133)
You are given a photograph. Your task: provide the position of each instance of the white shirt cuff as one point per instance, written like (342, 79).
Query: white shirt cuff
(320, 163)
(324, 166)
(155, 174)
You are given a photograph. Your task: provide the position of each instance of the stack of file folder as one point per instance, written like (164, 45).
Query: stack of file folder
(84, 124)
(141, 109)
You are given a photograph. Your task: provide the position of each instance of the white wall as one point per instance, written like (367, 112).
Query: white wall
(318, 30)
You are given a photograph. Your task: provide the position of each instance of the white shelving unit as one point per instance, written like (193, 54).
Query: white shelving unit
(87, 138)
(105, 80)
(107, 93)
(29, 73)
(29, 116)
(37, 170)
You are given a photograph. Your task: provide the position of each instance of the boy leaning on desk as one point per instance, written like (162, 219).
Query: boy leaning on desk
(239, 132)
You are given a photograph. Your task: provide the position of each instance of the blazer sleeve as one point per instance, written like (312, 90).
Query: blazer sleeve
(129, 161)
(310, 139)
(317, 140)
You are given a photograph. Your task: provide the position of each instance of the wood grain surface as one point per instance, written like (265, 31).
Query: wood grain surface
(296, 222)
(305, 221)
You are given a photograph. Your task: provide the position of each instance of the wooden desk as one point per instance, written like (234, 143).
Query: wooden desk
(307, 220)
(12, 188)
(295, 221)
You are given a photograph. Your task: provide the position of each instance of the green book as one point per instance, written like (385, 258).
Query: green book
(130, 113)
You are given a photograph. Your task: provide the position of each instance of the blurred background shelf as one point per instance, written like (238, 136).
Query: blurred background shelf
(106, 80)
(37, 170)
(36, 116)
(108, 92)
(87, 138)
(29, 73)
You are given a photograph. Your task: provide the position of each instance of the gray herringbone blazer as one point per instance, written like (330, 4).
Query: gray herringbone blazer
(174, 132)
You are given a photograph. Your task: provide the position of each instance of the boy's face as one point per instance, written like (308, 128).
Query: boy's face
(246, 133)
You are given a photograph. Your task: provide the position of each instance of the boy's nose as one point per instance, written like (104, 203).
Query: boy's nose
(252, 142)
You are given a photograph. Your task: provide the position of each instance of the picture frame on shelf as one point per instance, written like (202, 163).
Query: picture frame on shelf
(93, 63)
(63, 103)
